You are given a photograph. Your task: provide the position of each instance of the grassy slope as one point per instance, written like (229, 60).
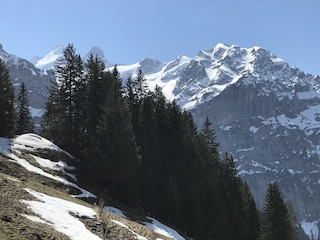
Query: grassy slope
(14, 178)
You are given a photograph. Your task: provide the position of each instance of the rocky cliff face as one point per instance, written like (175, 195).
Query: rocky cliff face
(271, 126)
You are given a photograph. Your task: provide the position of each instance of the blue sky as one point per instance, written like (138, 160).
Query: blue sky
(131, 30)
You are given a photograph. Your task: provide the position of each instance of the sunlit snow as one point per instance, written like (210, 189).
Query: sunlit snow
(162, 229)
(56, 212)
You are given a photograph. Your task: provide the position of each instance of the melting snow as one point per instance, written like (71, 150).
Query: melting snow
(162, 229)
(56, 213)
(139, 237)
(32, 141)
(115, 211)
(57, 166)
(31, 168)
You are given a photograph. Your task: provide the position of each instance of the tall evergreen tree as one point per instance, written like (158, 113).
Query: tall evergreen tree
(7, 113)
(211, 146)
(96, 78)
(119, 151)
(72, 101)
(251, 221)
(276, 222)
(140, 86)
(52, 118)
(24, 120)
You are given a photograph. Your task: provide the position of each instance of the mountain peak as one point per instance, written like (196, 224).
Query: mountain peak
(96, 52)
(48, 61)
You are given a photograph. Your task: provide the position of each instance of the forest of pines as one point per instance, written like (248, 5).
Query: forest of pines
(146, 153)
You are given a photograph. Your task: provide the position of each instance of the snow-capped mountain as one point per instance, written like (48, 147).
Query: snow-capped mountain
(48, 61)
(96, 51)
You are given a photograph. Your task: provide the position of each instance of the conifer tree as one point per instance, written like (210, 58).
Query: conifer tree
(24, 120)
(72, 100)
(211, 145)
(140, 86)
(7, 113)
(251, 221)
(119, 151)
(52, 118)
(276, 222)
(96, 79)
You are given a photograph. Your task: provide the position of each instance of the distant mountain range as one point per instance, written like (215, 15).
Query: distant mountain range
(264, 111)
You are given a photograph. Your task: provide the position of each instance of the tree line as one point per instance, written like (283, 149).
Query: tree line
(147, 153)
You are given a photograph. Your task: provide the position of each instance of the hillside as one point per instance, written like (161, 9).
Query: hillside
(40, 199)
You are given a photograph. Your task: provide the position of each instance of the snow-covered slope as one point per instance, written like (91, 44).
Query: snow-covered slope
(64, 215)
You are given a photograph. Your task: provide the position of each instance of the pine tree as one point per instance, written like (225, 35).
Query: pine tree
(211, 145)
(276, 222)
(24, 120)
(119, 152)
(7, 113)
(52, 118)
(72, 100)
(140, 86)
(251, 222)
(96, 79)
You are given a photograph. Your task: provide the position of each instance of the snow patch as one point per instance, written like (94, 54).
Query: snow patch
(139, 237)
(311, 229)
(253, 129)
(115, 211)
(162, 229)
(32, 141)
(56, 213)
(24, 163)
(245, 149)
(35, 112)
(57, 166)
